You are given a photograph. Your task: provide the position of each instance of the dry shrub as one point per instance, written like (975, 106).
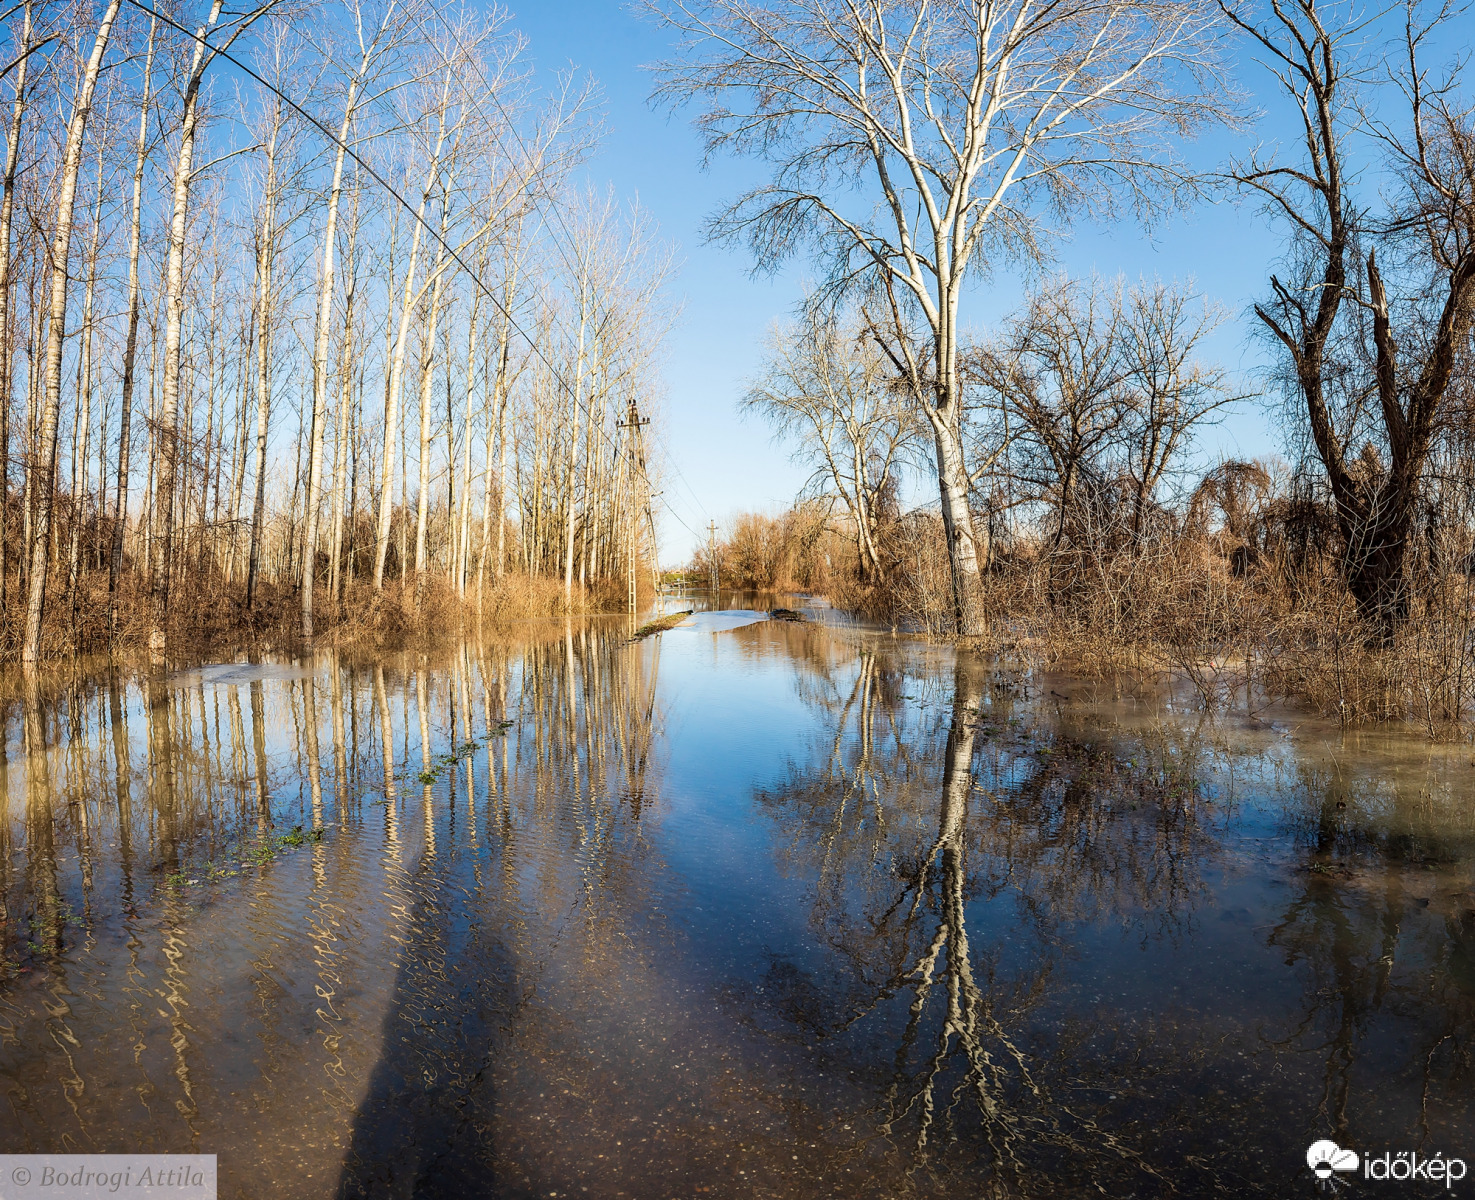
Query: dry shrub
(797, 551)
(1280, 629)
(918, 589)
(1242, 595)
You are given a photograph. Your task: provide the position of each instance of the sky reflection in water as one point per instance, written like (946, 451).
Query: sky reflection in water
(761, 910)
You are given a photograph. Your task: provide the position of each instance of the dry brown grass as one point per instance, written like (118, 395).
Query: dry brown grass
(209, 615)
(1281, 632)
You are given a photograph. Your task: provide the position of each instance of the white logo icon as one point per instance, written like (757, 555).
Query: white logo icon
(1324, 1157)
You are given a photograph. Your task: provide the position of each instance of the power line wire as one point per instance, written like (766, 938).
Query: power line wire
(389, 188)
(491, 93)
(691, 491)
(556, 213)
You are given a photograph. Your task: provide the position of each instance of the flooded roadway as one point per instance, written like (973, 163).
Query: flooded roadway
(749, 909)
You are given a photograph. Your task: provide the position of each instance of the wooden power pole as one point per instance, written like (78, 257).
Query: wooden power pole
(712, 556)
(635, 460)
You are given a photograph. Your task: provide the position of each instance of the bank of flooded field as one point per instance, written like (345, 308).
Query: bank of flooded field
(751, 907)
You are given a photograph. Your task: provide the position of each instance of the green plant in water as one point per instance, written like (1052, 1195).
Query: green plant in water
(455, 755)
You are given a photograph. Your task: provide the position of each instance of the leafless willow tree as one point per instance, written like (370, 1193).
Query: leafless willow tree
(915, 145)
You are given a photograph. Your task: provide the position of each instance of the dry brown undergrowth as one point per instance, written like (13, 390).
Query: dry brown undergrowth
(1254, 613)
(210, 616)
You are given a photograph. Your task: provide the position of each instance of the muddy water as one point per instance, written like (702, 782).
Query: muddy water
(748, 909)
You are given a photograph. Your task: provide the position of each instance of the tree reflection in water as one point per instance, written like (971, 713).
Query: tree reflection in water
(777, 911)
(1381, 932)
(1072, 846)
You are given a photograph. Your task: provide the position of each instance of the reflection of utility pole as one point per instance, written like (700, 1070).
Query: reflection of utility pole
(633, 422)
(712, 555)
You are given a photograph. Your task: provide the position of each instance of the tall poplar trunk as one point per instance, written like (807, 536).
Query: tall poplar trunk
(238, 458)
(210, 457)
(162, 537)
(502, 459)
(265, 267)
(43, 465)
(576, 398)
(151, 473)
(493, 431)
(7, 209)
(320, 345)
(397, 363)
(83, 428)
(463, 529)
(343, 425)
(504, 335)
(427, 379)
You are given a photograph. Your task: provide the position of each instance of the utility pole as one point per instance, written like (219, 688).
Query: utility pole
(633, 423)
(712, 556)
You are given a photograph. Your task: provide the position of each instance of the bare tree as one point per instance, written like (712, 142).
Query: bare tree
(7, 210)
(1104, 391)
(966, 122)
(130, 341)
(162, 536)
(828, 389)
(268, 237)
(396, 369)
(343, 432)
(372, 50)
(1371, 355)
(1058, 372)
(43, 465)
(215, 327)
(1169, 391)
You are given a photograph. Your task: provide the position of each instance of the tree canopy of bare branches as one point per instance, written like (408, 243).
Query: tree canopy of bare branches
(355, 317)
(829, 392)
(1103, 391)
(1371, 308)
(914, 145)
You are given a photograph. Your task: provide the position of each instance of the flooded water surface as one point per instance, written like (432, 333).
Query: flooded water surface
(752, 908)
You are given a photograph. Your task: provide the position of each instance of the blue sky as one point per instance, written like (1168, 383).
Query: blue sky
(728, 464)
